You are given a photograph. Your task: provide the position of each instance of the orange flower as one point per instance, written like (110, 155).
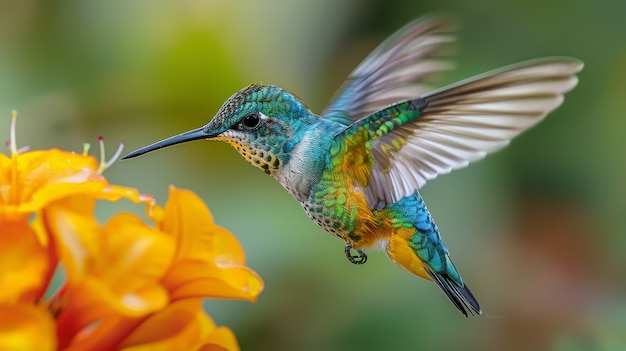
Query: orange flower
(23, 263)
(181, 325)
(127, 285)
(29, 183)
(209, 261)
(205, 261)
(32, 180)
(26, 327)
(111, 270)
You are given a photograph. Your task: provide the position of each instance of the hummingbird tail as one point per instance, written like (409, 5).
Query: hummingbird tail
(447, 277)
(460, 296)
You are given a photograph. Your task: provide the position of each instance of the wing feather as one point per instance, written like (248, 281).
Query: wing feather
(464, 122)
(398, 69)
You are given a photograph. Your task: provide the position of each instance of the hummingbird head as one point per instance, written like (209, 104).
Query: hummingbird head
(262, 122)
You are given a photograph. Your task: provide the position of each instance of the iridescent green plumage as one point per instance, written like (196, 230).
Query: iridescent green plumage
(357, 168)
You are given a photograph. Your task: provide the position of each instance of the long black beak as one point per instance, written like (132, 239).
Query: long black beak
(191, 135)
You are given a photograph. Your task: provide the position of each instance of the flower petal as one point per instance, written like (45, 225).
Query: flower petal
(209, 261)
(91, 300)
(32, 180)
(26, 327)
(114, 270)
(25, 265)
(125, 254)
(133, 250)
(221, 339)
(183, 325)
(47, 175)
(189, 221)
(192, 278)
(116, 192)
(106, 334)
(76, 236)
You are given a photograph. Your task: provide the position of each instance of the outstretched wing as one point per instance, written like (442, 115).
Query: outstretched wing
(419, 139)
(398, 69)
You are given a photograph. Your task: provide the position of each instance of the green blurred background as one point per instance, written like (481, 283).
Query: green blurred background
(537, 230)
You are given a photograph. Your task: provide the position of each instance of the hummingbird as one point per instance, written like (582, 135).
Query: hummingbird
(357, 167)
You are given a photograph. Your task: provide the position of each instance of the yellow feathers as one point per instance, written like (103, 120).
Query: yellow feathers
(403, 255)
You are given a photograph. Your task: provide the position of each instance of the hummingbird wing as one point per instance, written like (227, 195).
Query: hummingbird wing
(414, 141)
(396, 70)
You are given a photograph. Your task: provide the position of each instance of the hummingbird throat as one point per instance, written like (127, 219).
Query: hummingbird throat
(260, 158)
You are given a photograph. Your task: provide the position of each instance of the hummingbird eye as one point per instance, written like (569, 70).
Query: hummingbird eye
(250, 121)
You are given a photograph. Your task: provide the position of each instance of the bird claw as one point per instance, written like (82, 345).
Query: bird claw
(360, 258)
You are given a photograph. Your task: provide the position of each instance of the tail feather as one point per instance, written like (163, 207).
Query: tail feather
(460, 296)
(446, 276)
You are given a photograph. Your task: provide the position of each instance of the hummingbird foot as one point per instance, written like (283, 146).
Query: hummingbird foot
(359, 258)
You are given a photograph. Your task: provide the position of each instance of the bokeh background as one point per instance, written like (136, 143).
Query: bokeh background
(538, 230)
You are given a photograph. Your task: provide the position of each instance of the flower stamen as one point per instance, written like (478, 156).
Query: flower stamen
(23, 149)
(102, 155)
(116, 155)
(103, 163)
(86, 147)
(12, 141)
